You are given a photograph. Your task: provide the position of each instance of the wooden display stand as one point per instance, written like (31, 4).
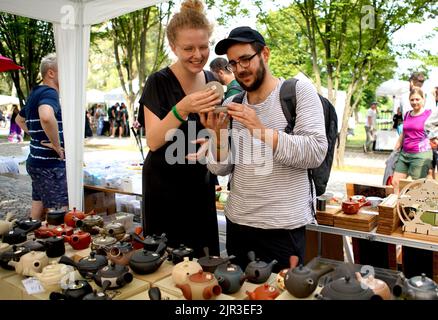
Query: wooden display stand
(101, 201)
(364, 220)
(378, 254)
(332, 246)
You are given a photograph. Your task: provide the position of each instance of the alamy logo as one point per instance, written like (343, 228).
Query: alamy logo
(68, 19)
(244, 149)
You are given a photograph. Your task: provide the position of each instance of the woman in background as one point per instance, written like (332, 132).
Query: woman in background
(15, 132)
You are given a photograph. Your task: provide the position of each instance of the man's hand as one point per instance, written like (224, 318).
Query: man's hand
(246, 116)
(59, 150)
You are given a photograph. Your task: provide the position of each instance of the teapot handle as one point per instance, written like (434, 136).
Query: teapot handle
(251, 255)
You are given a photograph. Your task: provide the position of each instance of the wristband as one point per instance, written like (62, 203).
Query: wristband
(177, 115)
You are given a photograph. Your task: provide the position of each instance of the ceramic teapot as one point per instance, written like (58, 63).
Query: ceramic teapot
(4, 247)
(347, 288)
(76, 290)
(121, 253)
(55, 216)
(91, 224)
(230, 277)
(302, 281)
(101, 244)
(14, 253)
(30, 263)
(177, 255)
(415, 288)
(7, 224)
(150, 243)
(28, 225)
(279, 279)
(378, 286)
(200, 286)
(73, 216)
(115, 230)
(15, 236)
(181, 271)
(55, 246)
(263, 292)
(80, 240)
(210, 263)
(258, 271)
(45, 231)
(33, 245)
(51, 275)
(145, 262)
(117, 275)
(99, 295)
(87, 266)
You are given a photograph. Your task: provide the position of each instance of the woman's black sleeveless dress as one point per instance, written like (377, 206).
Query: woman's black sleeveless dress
(178, 198)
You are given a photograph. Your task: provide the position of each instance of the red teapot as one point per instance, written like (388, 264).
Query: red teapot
(47, 232)
(74, 215)
(79, 240)
(353, 205)
(263, 292)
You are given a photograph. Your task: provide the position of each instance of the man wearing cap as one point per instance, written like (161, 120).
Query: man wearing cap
(370, 128)
(270, 199)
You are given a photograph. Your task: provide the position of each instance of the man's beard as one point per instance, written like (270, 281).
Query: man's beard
(260, 76)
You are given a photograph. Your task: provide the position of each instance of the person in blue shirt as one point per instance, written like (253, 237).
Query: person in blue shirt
(220, 69)
(41, 119)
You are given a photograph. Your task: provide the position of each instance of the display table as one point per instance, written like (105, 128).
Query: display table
(395, 238)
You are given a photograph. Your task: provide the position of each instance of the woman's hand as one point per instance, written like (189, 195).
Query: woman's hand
(215, 121)
(198, 102)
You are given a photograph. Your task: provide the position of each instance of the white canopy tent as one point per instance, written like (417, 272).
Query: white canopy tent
(72, 20)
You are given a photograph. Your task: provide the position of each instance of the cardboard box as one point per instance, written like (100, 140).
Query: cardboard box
(99, 201)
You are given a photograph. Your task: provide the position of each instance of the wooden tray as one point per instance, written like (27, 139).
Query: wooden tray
(364, 220)
(326, 217)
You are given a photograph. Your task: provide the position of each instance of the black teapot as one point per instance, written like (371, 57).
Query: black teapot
(144, 262)
(15, 236)
(302, 281)
(150, 243)
(99, 295)
(258, 271)
(55, 216)
(415, 288)
(177, 255)
(28, 225)
(347, 288)
(87, 266)
(210, 263)
(55, 246)
(76, 290)
(230, 277)
(12, 254)
(117, 275)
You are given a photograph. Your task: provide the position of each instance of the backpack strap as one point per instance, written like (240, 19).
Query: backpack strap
(288, 100)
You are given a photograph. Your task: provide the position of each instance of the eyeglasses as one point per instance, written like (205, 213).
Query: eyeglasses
(243, 62)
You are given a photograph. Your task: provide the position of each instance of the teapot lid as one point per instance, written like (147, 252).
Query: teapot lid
(93, 261)
(201, 276)
(423, 282)
(112, 270)
(346, 287)
(210, 261)
(301, 270)
(104, 241)
(144, 256)
(229, 268)
(93, 218)
(182, 250)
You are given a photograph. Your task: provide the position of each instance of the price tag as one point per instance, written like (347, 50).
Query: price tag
(32, 286)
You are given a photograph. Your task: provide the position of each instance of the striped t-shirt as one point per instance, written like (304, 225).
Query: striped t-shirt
(268, 190)
(41, 156)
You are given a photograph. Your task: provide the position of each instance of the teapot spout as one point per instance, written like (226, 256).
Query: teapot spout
(211, 291)
(272, 263)
(186, 290)
(323, 271)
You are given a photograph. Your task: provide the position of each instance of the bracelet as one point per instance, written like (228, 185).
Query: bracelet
(177, 115)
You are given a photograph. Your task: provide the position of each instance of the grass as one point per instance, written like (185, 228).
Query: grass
(357, 141)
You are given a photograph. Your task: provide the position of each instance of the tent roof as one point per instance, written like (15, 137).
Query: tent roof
(67, 11)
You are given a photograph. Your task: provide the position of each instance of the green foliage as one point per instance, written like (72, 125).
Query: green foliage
(26, 41)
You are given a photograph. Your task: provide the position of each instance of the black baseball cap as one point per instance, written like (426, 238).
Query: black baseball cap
(239, 34)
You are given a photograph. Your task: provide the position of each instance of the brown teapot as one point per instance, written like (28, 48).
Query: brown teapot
(302, 281)
(200, 286)
(210, 263)
(378, 286)
(115, 229)
(279, 279)
(263, 292)
(91, 224)
(121, 253)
